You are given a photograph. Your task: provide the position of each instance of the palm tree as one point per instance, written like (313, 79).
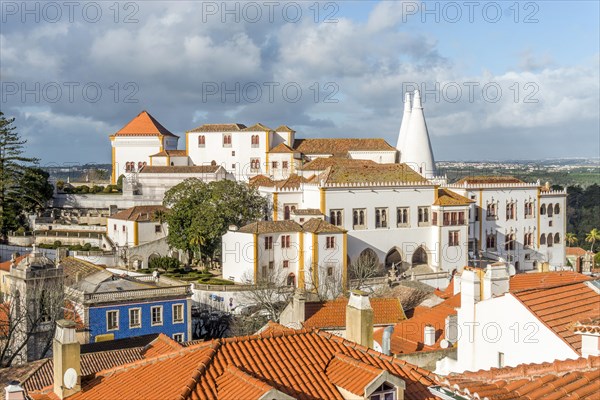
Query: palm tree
(571, 239)
(592, 237)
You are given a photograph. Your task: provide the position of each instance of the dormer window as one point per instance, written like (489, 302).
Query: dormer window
(384, 392)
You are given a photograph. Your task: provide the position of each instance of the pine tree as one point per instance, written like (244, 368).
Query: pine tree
(17, 193)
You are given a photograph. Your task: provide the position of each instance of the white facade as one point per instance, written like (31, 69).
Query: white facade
(154, 183)
(297, 257)
(498, 330)
(506, 221)
(134, 233)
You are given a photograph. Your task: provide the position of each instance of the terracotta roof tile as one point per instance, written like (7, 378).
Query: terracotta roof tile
(556, 380)
(294, 363)
(340, 147)
(138, 213)
(575, 251)
(5, 266)
(282, 148)
(219, 128)
(322, 163)
(332, 314)
(261, 180)
(236, 384)
(447, 197)
(559, 306)
(306, 211)
(271, 227)
(368, 173)
(485, 179)
(179, 169)
(161, 345)
(545, 279)
(284, 128)
(170, 153)
(588, 325)
(317, 225)
(351, 374)
(258, 127)
(144, 124)
(408, 335)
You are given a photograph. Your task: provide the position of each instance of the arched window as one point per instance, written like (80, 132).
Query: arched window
(543, 209)
(291, 280)
(556, 208)
(255, 140)
(542, 239)
(490, 241)
(201, 141)
(550, 209)
(549, 240)
(556, 238)
(140, 165)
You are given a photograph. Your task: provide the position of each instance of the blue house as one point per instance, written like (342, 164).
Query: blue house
(111, 306)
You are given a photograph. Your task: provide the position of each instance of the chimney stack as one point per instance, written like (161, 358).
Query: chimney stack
(429, 335)
(495, 280)
(359, 319)
(386, 345)
(451, 328)
(67, 363)
(299, 306)
(14, 391)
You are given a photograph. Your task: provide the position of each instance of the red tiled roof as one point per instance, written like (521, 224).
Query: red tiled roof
(371, 173)
(408, 335)
(219, 128)
(284, 128)
(545, 279)
(170, 153)
(575, 251)
(485, 179)
(282, 148)
(449, 198)
(179, 169)
(161, 345)
(138, 213)
(144, 124)
(258, 127)
(573, 379)
(340, 147)
(587, 325)
(322, 163)
(236, 384)
(332, 314)
(351, 374)
(5, 266)
(293, 363)
(559, 306)
(317, 225)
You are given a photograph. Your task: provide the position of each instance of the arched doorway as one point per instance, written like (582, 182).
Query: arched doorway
(394, 259)
(419, 257)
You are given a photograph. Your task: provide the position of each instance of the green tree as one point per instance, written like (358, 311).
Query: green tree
(571, 239)
(23, 187)
(592, 237)
(200, 213)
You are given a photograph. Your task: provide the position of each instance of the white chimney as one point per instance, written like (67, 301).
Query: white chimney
(495, 280)
(14, 391)
(359, 319)
(470, 287)
(429, 335)
(451, 328)
(66, 359)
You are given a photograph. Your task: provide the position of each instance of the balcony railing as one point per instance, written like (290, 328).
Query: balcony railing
(150, 293)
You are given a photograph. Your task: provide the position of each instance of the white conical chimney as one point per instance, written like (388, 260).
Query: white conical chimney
(404, 125)
(417, 152)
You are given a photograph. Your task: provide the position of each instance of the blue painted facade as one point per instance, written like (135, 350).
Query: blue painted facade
(98, 319)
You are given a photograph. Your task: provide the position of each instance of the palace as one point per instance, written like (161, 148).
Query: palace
(375, 198)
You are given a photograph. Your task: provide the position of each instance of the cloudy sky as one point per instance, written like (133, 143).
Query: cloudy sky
(501, 80)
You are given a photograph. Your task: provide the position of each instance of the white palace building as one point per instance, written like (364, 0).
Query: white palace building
(370, 196)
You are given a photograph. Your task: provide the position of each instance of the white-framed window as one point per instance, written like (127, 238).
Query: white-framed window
(384, 392)
(201, 141)
(336, 217)
(381, 217)
(500, 360)
(453, 238)
(423, 213)
(178, 337)
(286, 263)
(135, 318)
(285, 241)
(268, 242)
(330, 242)
(402, 216)
(177, 313)
(254, 164)
(359, 218)
(157, 315)
(226, 140)
(112, 320)
(157, 228)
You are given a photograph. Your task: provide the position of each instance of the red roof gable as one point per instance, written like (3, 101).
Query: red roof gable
(144, 124)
